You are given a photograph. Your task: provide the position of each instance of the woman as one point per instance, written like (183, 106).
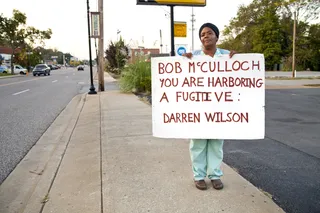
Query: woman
(207, 154)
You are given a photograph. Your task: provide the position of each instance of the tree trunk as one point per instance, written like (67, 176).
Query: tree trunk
(12, 68)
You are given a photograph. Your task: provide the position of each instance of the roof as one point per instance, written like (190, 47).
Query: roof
(8, 50)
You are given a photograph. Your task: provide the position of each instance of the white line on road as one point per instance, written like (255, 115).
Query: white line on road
(21, 92)
(1, 85)
(54, 81)
(67, 76)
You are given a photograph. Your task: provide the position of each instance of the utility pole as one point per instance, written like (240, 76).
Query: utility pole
(192, 21)
(161, 41)
(101, 51)
(294, 45)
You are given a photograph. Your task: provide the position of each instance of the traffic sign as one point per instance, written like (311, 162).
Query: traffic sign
(181, 50)
(180, 29)
(194, 3)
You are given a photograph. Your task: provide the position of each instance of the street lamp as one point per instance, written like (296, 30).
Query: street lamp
(92, 89)
(118, 32)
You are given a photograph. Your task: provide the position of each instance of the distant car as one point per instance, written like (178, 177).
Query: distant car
(4, 69)
(40, 69)
(80, 67)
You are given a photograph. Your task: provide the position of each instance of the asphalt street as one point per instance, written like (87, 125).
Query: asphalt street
(28, 106)
(286, 164)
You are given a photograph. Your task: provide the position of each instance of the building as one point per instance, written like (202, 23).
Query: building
(144, 53)
(6, 52)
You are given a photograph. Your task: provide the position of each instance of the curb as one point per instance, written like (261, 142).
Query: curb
(14, 76)
(26, 188)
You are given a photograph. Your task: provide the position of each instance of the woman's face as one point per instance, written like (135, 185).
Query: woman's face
(208, 37)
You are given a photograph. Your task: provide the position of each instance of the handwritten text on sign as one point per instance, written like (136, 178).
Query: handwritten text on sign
(218, 98)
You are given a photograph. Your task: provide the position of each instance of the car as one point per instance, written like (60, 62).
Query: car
(18, 69)
(4, 69)
(40, 69)
(80, 67)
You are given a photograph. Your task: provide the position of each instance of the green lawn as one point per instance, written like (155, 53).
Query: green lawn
(4, 74)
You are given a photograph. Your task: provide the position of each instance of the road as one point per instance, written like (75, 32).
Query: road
(286, 164)
(289, 74)
(28, 106)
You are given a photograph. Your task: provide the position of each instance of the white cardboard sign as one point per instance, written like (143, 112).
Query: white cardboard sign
(209, 98)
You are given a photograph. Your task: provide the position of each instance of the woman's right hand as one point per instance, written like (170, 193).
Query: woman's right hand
(188, 55)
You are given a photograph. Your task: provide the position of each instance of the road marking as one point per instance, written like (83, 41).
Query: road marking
(73, 73)
(2, 85)
(54, 81)
(67, 76)
(81, 82)
(21, 92)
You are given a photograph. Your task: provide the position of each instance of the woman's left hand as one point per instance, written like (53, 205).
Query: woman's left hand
(232, 53)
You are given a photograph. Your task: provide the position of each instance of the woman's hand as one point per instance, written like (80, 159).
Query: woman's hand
(188, 55)
(232, 53)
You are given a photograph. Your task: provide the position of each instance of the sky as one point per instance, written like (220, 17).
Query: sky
(139, 24)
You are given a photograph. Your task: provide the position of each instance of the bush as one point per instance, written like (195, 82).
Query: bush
(117, 55)
(136, 78)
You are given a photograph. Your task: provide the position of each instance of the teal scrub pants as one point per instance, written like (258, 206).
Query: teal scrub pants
(206, 157)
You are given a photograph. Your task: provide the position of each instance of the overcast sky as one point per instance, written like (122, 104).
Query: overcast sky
(139, 25)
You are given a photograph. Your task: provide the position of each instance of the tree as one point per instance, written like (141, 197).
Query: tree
(117, 55)
(256, 29)
(16, 34)
(266, 26)
(305, 9)
(68, 57)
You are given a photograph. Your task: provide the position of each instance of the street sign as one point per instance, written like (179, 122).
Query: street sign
(180, 29)
(194, 3)
(181, 49)
(95, 30)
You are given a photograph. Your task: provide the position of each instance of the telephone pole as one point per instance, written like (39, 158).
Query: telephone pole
(100, 48)
(192, 21)
(294, 45)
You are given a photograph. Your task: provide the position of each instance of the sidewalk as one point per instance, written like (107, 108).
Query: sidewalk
(99, 155)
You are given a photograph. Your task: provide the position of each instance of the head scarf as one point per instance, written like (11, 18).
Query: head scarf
(213, 27)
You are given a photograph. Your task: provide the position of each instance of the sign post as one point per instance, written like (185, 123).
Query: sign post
(172, 3)
(209, 98)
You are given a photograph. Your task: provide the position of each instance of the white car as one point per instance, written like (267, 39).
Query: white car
(17, 69)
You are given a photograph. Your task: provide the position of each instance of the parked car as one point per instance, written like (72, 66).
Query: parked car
(4, 69)
(41, 69)
(18, 69)
(80, 67)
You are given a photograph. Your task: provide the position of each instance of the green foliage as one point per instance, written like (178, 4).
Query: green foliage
(117, 55)
(16, 34)
(136, 77)
(266, 26)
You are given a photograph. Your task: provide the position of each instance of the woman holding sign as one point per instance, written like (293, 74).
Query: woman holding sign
(207, 154)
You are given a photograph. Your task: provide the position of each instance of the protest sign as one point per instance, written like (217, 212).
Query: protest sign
(209, 98)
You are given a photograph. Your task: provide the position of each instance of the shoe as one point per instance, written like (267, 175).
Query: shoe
(217, 184)
(200, 184)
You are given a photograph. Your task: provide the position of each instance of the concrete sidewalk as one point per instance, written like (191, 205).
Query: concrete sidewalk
(99, 155)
